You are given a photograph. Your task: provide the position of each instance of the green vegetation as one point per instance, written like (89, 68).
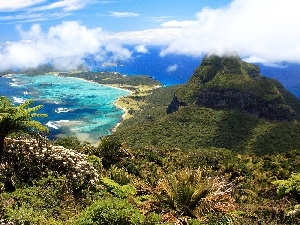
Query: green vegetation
(194, 127)
(64, 186)
(18, 119)
(111, 211)
(290, 186)
(113, 78)
(197, 165)
(229, 83)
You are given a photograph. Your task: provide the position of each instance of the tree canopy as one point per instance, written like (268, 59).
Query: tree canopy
(18, 119)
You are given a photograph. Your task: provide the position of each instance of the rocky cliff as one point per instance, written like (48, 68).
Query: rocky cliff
(230, 83)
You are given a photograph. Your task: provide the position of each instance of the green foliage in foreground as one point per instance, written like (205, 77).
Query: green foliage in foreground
(289, 186)
(18, 119)
(170, 188)
(119, 191)
(111, 211)
(36, 204)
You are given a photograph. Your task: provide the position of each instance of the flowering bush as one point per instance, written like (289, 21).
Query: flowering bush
(27, 160)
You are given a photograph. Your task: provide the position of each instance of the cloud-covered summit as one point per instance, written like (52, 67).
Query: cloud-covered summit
(259, 30)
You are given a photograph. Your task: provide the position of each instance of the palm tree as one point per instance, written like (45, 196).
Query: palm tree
(18, 119)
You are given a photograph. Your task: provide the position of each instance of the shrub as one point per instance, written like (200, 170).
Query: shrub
(119, 191)
(28, 160)
(290, 186)
(38, 204)
(111, 151)
(119, 175)
(190, 194)
(111, 211)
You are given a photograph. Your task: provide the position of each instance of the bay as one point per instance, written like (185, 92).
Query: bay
(75, 107)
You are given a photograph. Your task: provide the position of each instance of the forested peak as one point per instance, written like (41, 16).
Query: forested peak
(229, 66)
(227, 82)
(213, 59)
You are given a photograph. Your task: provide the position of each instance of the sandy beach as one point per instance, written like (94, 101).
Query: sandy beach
(127, 103)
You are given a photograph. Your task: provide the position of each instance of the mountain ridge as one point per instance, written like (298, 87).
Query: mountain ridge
(227, 82)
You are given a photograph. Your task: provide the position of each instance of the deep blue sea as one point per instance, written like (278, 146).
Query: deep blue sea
(183, 67)
(84, 109)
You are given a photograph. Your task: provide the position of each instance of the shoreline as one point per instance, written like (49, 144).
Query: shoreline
(123, 117)
(139, 90)
(127, 103)
(116, 101)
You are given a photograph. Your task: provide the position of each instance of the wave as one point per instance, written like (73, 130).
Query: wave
(14, 84)
(53, 124)
(62, 121)
(62, 110)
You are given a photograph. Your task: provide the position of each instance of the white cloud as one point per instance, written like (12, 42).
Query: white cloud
(141, 49)
(158, 19)
(123, 14)
(66, 5)
(31, 17)
(260, 30)
(159, 36)
(39, 10)
(9, 5)
(65, 45)
(175, 23)
(40, 5)
(172, 68)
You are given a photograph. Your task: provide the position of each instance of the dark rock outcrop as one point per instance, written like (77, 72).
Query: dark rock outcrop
(174, 105)
(275, 109)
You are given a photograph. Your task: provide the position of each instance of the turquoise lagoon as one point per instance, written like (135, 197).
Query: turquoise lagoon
(75, 107)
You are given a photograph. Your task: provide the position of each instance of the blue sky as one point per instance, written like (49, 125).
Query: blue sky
(111, 15)
(63, 32)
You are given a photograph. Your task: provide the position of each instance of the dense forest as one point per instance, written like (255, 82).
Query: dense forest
(195, 164)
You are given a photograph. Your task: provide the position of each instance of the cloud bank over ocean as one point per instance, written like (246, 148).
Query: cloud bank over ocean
(65, 46)
(260, 31)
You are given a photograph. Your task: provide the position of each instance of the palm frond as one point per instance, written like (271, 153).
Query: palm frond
(191, 194)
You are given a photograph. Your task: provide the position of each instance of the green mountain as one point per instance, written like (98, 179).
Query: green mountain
(225, 104)
(229, 83)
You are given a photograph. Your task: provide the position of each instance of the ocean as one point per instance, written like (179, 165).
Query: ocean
(169, 70)
(177, 69)
(84, 109)
(75, 107)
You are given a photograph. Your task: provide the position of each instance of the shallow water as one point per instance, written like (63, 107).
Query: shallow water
(75, 107)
